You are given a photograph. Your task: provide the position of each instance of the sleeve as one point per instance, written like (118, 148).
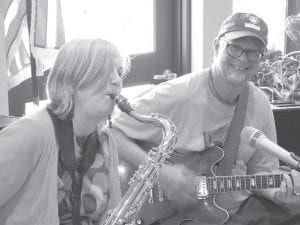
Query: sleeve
(261, 161)
(18, 145)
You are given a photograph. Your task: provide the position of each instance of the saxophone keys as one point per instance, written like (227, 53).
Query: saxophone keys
(160, 193)
(151, 197)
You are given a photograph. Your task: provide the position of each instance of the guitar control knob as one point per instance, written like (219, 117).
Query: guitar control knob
(138, 221)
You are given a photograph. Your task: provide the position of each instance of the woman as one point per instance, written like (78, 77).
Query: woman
(50, 157)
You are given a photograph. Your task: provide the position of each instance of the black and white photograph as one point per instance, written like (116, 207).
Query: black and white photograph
(149, 112)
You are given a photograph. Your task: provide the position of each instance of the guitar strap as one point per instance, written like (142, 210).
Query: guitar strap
(232, 141)
(67, 159)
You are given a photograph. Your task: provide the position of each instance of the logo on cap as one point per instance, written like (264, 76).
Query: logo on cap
(253, 23)
(253, 19)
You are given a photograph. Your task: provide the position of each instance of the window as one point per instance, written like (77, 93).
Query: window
(273, 12)
(129, 24)
(146, 29)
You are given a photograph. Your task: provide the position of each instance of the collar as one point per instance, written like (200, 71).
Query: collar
(216, 94)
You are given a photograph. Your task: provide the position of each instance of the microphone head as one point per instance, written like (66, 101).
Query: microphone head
(247, 135)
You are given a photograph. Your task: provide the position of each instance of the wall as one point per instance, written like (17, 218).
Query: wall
(3, 75)
(207, 16)
(287, 121)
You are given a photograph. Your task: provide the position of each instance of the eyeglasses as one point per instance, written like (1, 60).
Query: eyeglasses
(236, 51)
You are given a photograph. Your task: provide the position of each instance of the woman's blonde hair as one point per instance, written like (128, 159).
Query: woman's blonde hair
(80, 64)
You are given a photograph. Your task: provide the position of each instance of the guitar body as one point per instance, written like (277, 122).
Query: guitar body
(206, 211)
(209, 210)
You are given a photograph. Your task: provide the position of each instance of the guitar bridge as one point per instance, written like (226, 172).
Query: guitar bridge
(202, 192)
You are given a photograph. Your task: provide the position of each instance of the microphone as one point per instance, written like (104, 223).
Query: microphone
(256, 139)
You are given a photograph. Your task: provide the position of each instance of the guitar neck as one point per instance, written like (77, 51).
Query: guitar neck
(220, 184)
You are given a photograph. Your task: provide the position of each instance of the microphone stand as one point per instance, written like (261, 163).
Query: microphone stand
(288, 167)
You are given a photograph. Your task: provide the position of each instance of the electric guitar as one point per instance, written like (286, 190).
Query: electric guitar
(209, 209)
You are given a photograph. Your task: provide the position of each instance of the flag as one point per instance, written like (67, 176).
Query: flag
(47, 30)
(45, 38)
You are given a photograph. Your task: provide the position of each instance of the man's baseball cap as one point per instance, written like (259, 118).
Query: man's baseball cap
(244, 25)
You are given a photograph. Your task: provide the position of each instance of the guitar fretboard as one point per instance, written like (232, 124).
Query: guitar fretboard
(221, 184)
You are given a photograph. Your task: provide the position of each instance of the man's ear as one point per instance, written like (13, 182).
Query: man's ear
(216, 46)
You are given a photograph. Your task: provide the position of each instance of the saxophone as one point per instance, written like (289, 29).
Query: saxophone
(147, 174)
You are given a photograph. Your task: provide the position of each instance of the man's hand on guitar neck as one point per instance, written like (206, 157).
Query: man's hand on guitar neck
(179, 185)
(289, 191)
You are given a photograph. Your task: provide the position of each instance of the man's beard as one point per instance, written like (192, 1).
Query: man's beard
(236, 79)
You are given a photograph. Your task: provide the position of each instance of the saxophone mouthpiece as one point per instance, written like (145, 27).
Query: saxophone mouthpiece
(122, 103)
(112, 96)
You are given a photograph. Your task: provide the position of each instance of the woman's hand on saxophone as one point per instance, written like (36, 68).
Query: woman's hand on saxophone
(179, 185)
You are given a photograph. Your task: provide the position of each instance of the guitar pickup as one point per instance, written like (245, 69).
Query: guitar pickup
(202, 192)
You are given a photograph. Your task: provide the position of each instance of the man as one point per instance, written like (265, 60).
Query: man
(202, 106)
